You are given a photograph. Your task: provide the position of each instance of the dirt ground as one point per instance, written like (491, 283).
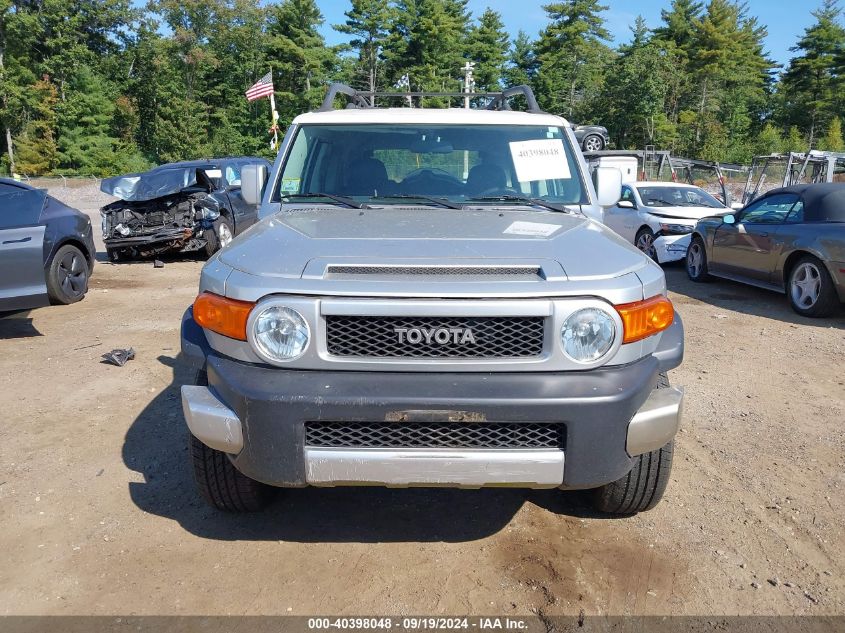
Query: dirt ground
(98, 513)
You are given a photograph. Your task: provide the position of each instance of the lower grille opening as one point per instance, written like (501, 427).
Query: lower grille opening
(435, 435)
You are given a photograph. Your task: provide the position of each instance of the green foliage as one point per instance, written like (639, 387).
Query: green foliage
(573, 57)
(36, 148)
(769, 141)
(488, 46)
(811, 82)
(368, 22)
(106, 86)
(832, 140)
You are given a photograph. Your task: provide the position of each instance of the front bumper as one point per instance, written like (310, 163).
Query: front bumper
(671, 248)
(257, 415)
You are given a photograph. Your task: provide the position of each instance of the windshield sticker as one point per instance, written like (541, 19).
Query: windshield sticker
(290, 185)
(542, 159)
(536, 229)
(214, 173)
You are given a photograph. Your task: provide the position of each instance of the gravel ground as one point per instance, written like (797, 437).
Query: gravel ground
(99, 514)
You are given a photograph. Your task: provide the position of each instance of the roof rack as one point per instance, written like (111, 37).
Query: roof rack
(358, 99)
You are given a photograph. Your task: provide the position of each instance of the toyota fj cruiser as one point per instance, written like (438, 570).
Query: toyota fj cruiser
(426, 303)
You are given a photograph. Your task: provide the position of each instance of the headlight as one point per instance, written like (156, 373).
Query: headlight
(675, 229)
(587, 335)
(280, 333)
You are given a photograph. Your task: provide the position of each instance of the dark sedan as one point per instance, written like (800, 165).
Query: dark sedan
(177, 207)
(791, 240)
(591, 138)
(46, 249)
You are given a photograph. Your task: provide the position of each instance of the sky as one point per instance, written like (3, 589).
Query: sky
(785, 19)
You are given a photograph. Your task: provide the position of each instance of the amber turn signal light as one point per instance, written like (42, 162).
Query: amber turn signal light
(222, 315)
(642, 319)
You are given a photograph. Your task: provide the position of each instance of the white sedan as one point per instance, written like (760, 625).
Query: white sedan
(658, 217)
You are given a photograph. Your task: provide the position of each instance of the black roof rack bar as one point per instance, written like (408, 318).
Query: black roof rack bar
(501, 101)
(355, 98)
(498, 100)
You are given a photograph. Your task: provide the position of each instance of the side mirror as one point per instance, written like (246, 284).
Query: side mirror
(608, 182)
(253, 178)
(729, 218)
(626, 204)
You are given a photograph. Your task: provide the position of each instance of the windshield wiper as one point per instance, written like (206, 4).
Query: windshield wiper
(535, 201)
(441, 201)
(349, 202)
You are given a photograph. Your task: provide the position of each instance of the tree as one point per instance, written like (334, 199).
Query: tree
(522, 62)
(36, 147)
(809, 83)
(832, 140)
(298, 55)
(368, 21)
(572, 56)
(487, 46)
(635, 91)
(769, 141)
(428, 43)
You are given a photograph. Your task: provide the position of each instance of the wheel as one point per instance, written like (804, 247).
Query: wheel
(697, 261)
(220, 236)
(114, 254)
(811, 292)
(67, 276)
(592, 143)
(645, 242)
(644, 485)
(219, 483)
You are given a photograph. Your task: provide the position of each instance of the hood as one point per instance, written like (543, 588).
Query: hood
(284, 244)
(684, 213)
(155, 184)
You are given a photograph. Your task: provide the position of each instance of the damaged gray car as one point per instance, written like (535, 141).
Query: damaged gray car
(193, 206)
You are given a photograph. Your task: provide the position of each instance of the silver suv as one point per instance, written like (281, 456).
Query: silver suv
(425, 302)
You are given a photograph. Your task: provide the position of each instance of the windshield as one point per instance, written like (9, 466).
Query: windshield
(389, 164)
(677, 197)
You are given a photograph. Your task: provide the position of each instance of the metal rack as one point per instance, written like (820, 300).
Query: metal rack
(359, 99)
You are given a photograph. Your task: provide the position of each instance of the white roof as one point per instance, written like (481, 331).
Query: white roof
(442, 116)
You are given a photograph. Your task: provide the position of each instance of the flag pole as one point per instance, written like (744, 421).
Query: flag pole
(274, 116)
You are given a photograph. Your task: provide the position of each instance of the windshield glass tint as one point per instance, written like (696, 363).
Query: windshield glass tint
(444, 161)
(677, 197)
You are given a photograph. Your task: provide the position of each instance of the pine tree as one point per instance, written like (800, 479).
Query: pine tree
(522, 62)
(487, 46)
(809, 83)
(302, 63)
(572, 56)
(635, 90)
(37, 153)
(832, 140)
(368, 21)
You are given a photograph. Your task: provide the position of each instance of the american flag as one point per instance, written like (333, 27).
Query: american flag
(261, 88)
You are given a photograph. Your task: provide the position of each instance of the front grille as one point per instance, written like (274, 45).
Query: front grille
(435, 435)
(453, 271)
(377, 337)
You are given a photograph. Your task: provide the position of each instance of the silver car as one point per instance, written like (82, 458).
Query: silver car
(424, 303)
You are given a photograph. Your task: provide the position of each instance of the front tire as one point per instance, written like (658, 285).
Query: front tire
(220, 235)
(593, 143)
(644, 485)
(645, 242)
(810, 289)
(696, 261)
(67, 276)
(219, 483)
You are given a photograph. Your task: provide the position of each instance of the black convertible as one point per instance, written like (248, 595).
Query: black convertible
(46, 249)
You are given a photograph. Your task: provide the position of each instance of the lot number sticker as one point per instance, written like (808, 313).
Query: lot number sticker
(537, 229)
(543, 159)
